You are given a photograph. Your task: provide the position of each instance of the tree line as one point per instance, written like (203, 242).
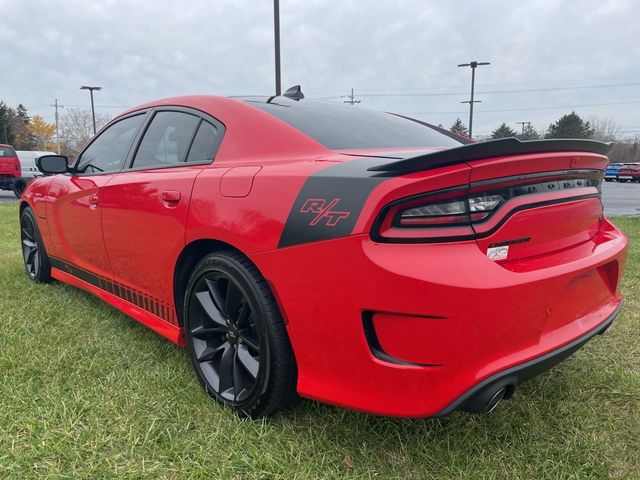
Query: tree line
(570, 125)
(25, 132)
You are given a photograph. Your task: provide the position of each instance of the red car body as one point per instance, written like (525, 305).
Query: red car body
(10, 169)
(629, 173)
(385, 314)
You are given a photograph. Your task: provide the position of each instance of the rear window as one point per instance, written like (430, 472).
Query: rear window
(339, 126)
(7, 152)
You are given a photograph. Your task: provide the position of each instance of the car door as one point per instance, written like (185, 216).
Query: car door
(145, 207)
(74, 204)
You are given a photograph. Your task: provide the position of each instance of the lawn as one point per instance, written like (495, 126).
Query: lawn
(87, 392)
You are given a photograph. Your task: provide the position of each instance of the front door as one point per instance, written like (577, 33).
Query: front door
(74, 209)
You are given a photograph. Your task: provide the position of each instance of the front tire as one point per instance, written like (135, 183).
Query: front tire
(236, 339)
(36, 260)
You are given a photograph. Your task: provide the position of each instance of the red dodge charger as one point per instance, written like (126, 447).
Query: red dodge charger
(355, 257)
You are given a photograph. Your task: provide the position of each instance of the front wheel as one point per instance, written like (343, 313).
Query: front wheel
(236, 339)
(36, 261)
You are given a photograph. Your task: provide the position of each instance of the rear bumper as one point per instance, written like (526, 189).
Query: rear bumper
(445, 317)
(7, 182)
(514, 376)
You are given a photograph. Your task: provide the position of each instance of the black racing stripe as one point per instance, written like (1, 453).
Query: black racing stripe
(330, 202)
(145, 302)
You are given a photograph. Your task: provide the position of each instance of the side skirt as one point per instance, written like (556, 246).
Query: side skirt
(148, 319)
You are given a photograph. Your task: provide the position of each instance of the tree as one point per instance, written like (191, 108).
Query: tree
(77, 128)
(570, 126)
(503, 131)
(42, 133)
(529, 133)
(19, 119)
(605, 129)
(459, 128)
(6, 132)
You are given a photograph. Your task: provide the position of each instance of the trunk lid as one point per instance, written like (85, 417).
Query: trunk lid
(551, 202)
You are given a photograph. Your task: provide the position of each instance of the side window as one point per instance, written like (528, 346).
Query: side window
(166, 140)
(204, 143)
(108, 152)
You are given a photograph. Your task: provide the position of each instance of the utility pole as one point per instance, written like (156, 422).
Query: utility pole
(93, 111)
(523, 124)
(276, 38)
(474, 64)
(351, 99)
(56, 105)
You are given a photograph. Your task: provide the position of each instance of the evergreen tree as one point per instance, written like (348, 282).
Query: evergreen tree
(6, 134)
(529, 133)
(459, 128)
(20, 126)
(570, 126)
(503, 131)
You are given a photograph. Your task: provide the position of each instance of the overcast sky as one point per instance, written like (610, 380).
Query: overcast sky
(547, 57)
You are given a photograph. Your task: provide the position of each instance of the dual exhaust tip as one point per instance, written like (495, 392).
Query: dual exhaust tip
(487, 399)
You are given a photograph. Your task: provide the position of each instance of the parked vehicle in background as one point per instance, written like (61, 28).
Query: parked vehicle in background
(10, 170)
(28, 161)
(29, 171)
(629, 173)
(611, 173)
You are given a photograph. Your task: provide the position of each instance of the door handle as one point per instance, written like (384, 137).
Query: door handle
(93, 201)
(171, 198)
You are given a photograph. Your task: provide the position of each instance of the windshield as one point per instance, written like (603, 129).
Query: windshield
(7, 152)
(339, 126)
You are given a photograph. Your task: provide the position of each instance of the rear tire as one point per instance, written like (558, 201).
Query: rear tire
(236, 339)
(36, 260)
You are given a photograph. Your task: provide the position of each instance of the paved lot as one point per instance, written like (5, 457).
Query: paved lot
(618, 198)
(6, 196)
(621, 198)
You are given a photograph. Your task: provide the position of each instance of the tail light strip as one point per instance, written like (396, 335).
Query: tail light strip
(453, 213)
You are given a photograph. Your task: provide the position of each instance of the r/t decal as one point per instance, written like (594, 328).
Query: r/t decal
(323, 210)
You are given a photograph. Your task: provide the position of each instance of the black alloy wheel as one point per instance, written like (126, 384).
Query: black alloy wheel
(236, 338)
(36, 261)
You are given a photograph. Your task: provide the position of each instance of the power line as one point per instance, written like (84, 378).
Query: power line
(548, 107)
(499, 92)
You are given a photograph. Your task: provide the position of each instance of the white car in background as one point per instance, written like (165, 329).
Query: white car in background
(29, 168)
(28, 161)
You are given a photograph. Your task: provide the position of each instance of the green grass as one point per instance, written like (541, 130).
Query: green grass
(87, 392)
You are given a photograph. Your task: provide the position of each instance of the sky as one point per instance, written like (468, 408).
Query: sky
(547, 57)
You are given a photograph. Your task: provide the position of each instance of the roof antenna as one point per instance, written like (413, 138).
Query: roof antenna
(295, 93)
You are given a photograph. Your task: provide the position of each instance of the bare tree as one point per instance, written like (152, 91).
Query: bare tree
(77, 128)
(605, 129)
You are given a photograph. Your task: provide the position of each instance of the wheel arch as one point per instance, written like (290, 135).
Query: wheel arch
(189, 257)
(23, 204)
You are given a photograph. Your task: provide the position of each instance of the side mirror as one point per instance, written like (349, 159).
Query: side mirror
(52, 164)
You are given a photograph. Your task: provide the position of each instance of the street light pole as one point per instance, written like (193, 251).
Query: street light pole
(93, 111)
(276, 37)
(474, 64)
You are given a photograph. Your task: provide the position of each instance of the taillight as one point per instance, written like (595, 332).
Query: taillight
(17, 166)
(451, 214)
(456, 212)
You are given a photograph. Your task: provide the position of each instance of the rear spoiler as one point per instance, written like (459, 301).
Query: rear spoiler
(488, 149)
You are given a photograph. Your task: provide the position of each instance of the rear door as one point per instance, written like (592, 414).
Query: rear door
(145, 207)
